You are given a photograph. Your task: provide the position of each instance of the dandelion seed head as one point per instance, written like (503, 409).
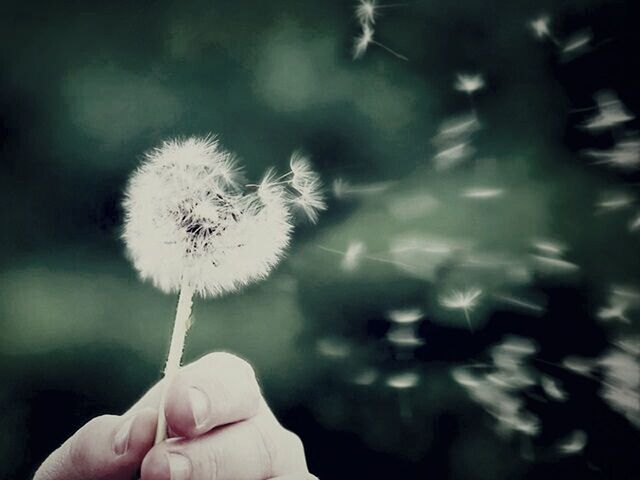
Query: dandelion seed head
(187, 220)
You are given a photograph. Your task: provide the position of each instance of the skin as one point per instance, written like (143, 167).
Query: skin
(235, 437)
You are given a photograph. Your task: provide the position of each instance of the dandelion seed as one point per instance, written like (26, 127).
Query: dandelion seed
(536, 307)
(616, 311)
(342, 189)
(190, 227)
(366, 377)
(482, 193)
(613, 201)
(353, 256)
(405, 316)
(634, 224)
(578, 365)
(333, 347)
(549, 247)
(465, 300)
(454, 128)
(574, 443)
(366, 11)
(453, 155)
(469, 83)
(403, 380)
(576, 45)
(362, 42)
(552, 389)
(404, 336)
(541, 26)
(552, 265)
(611, 112)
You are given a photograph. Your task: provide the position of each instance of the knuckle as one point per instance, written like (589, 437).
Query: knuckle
(80, 457)
(269, 447)
(293, 444)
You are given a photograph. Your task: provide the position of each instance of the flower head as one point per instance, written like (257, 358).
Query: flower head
(188, 219)
(307, 187)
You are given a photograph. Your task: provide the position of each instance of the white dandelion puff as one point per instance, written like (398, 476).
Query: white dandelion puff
(190, 227)
(469, 83)
(465, 300)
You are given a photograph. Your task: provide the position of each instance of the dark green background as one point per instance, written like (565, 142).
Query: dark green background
(86, 87)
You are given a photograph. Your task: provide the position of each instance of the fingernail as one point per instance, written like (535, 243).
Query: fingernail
(121, 439)
(179, 466)
(199, 406)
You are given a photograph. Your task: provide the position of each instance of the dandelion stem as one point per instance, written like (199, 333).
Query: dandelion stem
(392, 52)
(180, 328)
(466, 316)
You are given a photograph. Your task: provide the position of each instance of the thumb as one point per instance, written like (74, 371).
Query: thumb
(109, 447)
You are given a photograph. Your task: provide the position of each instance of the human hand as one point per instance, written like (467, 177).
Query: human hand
(221, 429)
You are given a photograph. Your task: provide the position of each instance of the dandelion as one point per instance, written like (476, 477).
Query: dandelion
(342, 189)
(362, 42)
(190, 227)
(469, 84)
(465, 300)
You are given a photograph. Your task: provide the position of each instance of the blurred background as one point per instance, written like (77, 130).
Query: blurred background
(466, 308)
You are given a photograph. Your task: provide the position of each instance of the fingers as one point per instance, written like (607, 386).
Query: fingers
(218, 389)
(109, 447)
(258, 448)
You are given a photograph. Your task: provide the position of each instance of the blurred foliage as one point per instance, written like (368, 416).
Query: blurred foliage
(88, 86)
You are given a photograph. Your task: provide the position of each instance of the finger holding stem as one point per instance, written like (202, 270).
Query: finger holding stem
(174, 358)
